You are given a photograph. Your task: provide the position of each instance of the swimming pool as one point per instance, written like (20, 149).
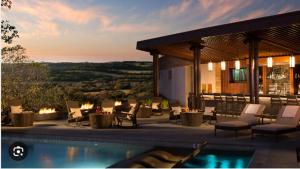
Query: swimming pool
(220, 159)
(43, 153)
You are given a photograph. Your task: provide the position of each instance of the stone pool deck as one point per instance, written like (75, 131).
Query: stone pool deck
(160, 131)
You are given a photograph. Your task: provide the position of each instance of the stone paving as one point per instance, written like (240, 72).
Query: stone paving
(160, 131)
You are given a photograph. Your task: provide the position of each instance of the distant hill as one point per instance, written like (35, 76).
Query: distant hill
(78, 72)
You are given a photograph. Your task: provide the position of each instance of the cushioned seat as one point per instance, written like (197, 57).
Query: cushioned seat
(246, 120)
(235, 123)
(287, 121)
(273, 127)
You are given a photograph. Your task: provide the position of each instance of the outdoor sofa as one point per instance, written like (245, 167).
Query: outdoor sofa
(247, 119)
(287, 121)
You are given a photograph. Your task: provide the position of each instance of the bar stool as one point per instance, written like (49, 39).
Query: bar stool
(292, 100)
(275, 106)
(240, 103)
(201, 102)
(218, 101)
(229, 105)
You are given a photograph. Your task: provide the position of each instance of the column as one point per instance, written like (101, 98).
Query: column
(155, 55)
(253, 69)
(196, 48)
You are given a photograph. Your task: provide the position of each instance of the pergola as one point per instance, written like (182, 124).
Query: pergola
(271, 36)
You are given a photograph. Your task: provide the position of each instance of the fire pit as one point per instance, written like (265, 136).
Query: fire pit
(45, 114)
(87, 106)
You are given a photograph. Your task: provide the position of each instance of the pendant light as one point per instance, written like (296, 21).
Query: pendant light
(292, 61)
(210, 66)
(223, 65)
(237, 64)
(269, 62)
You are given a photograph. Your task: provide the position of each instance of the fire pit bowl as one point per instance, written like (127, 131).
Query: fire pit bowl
(46, 114)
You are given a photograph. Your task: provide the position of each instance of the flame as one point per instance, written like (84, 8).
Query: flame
(118, 103)
(87, 106)
(46, 110)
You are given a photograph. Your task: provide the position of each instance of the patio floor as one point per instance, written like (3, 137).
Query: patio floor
(160, 131)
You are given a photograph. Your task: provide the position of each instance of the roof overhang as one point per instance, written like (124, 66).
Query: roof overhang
(279, 35)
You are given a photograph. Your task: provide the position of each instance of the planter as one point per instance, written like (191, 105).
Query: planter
(144, 112)
(98, 121)
(44, 117)
(24, 119)
(191, 118)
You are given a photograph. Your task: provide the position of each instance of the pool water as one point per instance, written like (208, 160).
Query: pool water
(220, 159)
(68, 154)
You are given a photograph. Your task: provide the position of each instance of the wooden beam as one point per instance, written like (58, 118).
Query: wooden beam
(155, 73)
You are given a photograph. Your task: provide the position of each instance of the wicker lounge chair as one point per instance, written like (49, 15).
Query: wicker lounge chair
(108, 106)
(245, 121)
(287, 121)
(129, 116)
(175, 111)
(15, 107)
(156, 106)
(74, 113)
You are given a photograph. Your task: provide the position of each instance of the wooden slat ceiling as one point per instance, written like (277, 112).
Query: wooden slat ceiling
(275, 41)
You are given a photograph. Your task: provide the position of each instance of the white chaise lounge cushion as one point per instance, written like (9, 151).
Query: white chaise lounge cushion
(252, 109)
(177, 110)
(290, 111)
(209, 111)
(293, 121)
(76, 112)
(273, 127)
(16, 109)
(155, 106)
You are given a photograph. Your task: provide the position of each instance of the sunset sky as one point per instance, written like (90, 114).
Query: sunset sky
(107, 30)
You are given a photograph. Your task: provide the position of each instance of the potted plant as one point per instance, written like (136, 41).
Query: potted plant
(165, 105)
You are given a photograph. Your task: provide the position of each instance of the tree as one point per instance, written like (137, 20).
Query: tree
(22, 78)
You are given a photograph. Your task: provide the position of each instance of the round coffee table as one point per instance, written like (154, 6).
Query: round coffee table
(191, 118)
(98, 120)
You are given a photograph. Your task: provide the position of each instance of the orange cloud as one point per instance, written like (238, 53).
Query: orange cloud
(106, 24)
(176, 9)
(205, 4)
(224, 8)
(252, 15)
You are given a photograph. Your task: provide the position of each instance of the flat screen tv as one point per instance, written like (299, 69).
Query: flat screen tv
(238, 75)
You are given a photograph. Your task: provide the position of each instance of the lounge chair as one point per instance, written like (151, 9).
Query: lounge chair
(161, 157)
(287, 121)
(74, 113)
(108, 106)
(129, 116)
(156, 106)
(245, 121)
(176, 109)
(15, 107)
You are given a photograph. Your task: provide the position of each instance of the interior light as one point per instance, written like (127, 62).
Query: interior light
(292, 61)
(210, 66)
(223, 65)
(269, 62)
(237, 64)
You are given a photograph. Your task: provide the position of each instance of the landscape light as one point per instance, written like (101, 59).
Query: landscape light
(223, 65)
(237, 64)
(269, 62)
(210, 66)
(292, 61)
